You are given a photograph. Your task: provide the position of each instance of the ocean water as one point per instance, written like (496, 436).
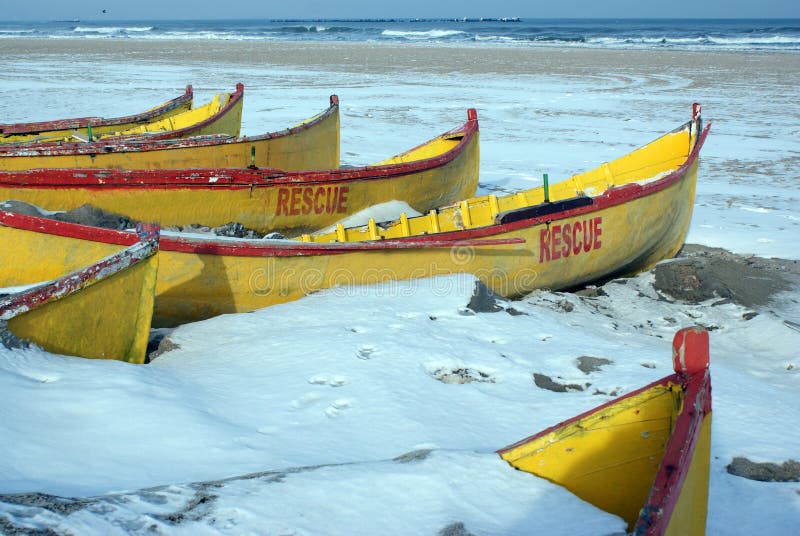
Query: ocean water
(703, 34)
(356, 385)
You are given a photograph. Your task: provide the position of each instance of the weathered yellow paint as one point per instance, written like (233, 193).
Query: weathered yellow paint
(316, 147)
(97, 130)
(653, 160)
(644, 456)
(109, 319)
(27, 257)
(431, 149)
(636, 234)
(690, 513)
(230, 123)
(256, 207)
(609, 458)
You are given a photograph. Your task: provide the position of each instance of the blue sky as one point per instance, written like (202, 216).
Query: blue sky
(265, 9)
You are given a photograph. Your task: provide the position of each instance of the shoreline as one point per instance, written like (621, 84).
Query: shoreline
(563, 110)
(372, 56)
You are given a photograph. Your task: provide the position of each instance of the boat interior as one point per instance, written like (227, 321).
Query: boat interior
(609, 457)
(181, 120)
(645, 164)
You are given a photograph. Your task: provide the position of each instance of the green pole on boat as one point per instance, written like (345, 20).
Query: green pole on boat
(89, 131)
(546, 189)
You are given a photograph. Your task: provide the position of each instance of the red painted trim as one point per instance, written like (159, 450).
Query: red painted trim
(148, 231)
(690, 350)
(691, 344)
(675, 464)
(696, 109)
(674, 378)
(242, 248)
(39, 296)
(65, 229)
(81, 122)
(292, 248)
(145, 143)
(114, 144)
(233, 179)
(233, 100)
(612, 197)
(666, 490)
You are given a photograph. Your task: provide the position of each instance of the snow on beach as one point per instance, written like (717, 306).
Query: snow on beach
(324, 393)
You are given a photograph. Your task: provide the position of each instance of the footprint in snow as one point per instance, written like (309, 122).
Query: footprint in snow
(366, 352)
(325, 379)
(337, 407)
(305, 400)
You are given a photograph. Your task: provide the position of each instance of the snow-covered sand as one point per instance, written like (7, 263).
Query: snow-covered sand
(324, 393)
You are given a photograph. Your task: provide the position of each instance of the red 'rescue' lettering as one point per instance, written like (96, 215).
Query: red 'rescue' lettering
(555, 241)
(283, 201)
(544, 245)
(567, 249)
(295, 204)
(597, 232)
(342, 204)
(576, 238)
(319, 208)
(308, 201)
(568, 239)
(293, 201)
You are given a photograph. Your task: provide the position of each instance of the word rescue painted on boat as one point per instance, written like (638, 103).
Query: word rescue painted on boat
(309, 199)
(567, 239)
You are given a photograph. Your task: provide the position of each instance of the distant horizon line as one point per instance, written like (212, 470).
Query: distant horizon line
(412, 19)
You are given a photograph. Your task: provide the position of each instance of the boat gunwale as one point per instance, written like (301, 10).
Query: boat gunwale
(674, 378)
(664, 493)
(238, 178)
(110, 143)
(36, 127)
(143, 142)
(43, 293)
(233, 100)
(44, 225)
(285, 248)
(656, 512)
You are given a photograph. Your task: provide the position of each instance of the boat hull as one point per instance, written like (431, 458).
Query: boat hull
(195, 284)
(90, 313)
(200, 278)
(623, 230)
(644, 456)
(64, 128)
(290, 203)
(223, 115)
(313, 144)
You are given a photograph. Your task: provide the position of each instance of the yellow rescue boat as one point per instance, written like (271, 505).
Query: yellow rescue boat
(65, 128)
(644, 456)
(222, 115)
(433, 174)
(312, 144)
(618, 219)
(101, 311)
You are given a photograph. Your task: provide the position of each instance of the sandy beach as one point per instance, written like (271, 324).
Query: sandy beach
(603, 101)
(346, 388)
(716, 76)
(704, 68)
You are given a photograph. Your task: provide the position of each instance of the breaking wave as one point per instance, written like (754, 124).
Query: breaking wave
(722, 34)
